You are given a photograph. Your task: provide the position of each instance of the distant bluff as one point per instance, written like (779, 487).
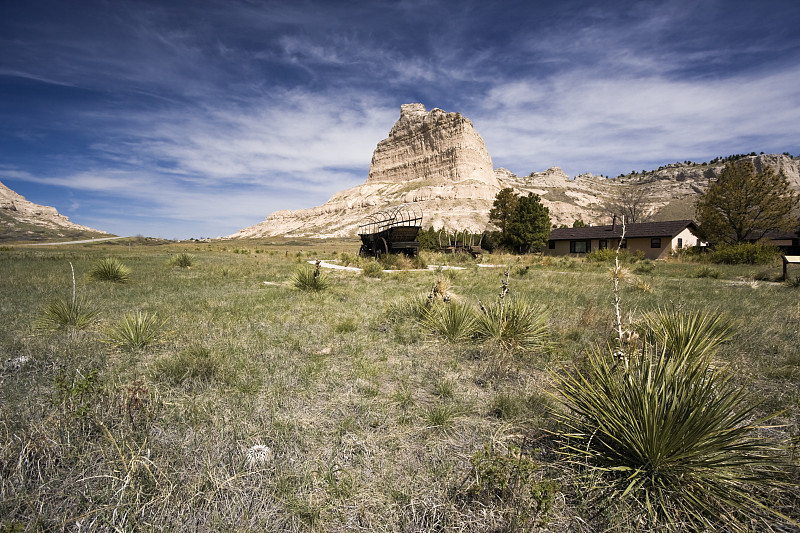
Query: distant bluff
(438, 160)
(24, 220)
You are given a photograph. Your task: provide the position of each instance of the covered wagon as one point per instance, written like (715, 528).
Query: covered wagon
(393, 230)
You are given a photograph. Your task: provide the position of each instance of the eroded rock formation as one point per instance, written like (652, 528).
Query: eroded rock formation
(437, 159)
(17, 212)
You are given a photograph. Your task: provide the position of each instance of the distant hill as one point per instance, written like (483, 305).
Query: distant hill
(437, 160)
(21, 220)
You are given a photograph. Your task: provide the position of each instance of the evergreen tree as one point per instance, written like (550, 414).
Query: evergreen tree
(505, 203)
(742, 204)
(528, 227)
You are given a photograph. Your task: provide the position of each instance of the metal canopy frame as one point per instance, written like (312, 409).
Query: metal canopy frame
(392, 217)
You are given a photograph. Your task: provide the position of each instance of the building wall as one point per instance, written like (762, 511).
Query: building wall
(636, 244)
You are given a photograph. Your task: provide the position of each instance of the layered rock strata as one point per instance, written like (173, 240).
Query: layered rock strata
(433, 158)
(17, 210)
(438, 160)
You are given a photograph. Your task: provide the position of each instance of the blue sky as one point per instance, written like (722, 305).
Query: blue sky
(190, 118)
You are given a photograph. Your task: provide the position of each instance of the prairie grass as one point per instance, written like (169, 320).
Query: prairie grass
(371, 422)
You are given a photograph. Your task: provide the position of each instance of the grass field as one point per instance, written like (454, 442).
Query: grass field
(256, 406)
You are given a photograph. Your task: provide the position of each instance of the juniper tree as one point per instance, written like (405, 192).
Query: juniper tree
(743, 205)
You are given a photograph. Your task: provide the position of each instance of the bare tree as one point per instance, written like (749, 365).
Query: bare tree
(631, 201)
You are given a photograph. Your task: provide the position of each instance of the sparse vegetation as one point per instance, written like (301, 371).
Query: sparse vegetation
(266, 409)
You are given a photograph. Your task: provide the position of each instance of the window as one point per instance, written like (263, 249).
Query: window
(551, 244)
(602, 244)
(680, 243)
(655, 242)
(580, 247)
(624, 244)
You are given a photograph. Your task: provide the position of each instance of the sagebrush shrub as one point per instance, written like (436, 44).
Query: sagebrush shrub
(745, 253)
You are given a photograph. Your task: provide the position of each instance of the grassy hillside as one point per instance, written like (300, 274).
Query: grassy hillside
(263, 407)
(12, 230)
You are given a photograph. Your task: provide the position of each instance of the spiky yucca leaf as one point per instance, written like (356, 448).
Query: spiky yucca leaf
(311, 280)
(63, 313)
(136, 331)
(182, 260)
(672, 436)
(684, 333)
(514, 323)
(110, 269)
(455, 321)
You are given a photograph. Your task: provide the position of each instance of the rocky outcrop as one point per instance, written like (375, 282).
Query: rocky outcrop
(438, 160)
(433, 158)
(17, 212)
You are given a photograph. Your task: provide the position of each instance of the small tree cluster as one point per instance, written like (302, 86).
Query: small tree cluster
(524, 222)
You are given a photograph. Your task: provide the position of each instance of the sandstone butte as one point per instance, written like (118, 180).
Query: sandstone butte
(437, 160)
(17, 211)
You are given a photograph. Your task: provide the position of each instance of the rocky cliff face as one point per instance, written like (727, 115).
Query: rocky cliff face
(438, 160)
(16, 213)
(434, 158)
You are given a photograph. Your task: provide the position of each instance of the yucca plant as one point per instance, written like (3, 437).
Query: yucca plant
(136, 331)
(311, 279)
(455, 321)
(671, 437)
(685, 333)
(110, 269)
(182, 260)
(63, 313)
(513, 323)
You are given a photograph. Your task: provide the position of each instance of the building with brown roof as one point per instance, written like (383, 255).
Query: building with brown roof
(656, 239)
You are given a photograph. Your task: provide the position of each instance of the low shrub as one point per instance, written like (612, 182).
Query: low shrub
(707, 272)
(745, 253)
(645, 267)
(373, 269)
(110, 269)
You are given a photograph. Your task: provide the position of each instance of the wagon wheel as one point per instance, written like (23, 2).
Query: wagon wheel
(381, 247)
(362, 251)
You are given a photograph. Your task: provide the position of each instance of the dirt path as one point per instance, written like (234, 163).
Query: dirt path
(73, 242)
